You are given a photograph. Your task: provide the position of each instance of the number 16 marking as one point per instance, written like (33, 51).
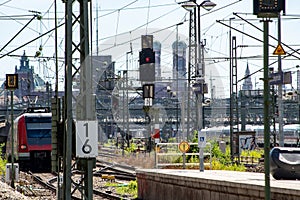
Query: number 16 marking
(86, 148)
(86, 129)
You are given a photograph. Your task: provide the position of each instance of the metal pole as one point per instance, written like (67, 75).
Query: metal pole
(127, 99)
(56, 52)
(12, 139)
(230, 92)
(298, 95)
(192, 61)
(177, 91)
(183, 115)
(97, 26)
(266, 110)
(86, 110)
(55, 165)
(279, 99)
(68, 104)
(199, 96)
(123, 136)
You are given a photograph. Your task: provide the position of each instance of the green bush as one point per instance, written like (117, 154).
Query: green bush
(2, 161)
(132, 148)
(252, 153)
(131, 189)
(221, 161)
(125, 189)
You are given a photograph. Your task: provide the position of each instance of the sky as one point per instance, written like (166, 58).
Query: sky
(122, 22)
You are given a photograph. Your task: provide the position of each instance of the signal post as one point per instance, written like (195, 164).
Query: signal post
(147, 78)
(267, 10)
(11, 84)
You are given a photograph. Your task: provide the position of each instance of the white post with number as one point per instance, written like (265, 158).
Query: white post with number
(86, 139)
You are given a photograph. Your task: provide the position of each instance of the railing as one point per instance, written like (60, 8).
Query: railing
(168, 155)
(249, 160)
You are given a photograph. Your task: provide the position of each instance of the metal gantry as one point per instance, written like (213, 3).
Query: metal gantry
(192, 62)
(84, 101)
(234, 114)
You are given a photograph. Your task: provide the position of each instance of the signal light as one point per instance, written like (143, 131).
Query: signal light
(147, 56)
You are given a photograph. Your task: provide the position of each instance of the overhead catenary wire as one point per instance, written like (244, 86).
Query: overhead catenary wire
(147, 24)
(217, 9)
(117, 25)
(138, 27)
(17, 20)
(262, 31)
(148, 13)
(5, 2)
(158, 18)
(119, 9)
(139, 8)
(21, 46)
(270, 64)
(123, 43)
(253, 37)
(18, 33)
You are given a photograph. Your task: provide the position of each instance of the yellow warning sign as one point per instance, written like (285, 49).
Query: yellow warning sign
(184, 146)
(279, 50)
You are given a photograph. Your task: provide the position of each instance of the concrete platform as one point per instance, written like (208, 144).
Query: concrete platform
(165, 184)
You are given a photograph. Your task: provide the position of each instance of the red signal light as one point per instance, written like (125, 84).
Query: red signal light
(147, 56)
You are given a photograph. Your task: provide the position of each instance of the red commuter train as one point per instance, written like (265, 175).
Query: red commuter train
(32, 140)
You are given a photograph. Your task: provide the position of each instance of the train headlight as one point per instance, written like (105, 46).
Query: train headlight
(23, 147)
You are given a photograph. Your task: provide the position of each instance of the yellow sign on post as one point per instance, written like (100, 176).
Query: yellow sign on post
(184, 146)
(279, 50)
(11, 81)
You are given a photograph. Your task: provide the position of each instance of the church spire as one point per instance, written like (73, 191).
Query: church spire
(247, 85)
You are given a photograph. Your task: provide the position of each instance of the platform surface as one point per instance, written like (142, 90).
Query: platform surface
(229, 176)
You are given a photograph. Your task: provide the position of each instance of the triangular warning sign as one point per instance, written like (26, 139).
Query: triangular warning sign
(279, 50)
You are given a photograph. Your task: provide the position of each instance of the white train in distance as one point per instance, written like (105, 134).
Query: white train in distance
(291, 133)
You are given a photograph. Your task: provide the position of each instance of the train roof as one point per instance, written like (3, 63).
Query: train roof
(254, 127)
(37, 114)
(34, 115)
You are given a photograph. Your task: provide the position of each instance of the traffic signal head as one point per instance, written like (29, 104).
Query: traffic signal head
(147, 56)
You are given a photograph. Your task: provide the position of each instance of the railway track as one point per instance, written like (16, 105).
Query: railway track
(35, 186)
(108, 175)
(44, 185)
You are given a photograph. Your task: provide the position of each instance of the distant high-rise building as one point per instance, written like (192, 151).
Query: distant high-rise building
(157, 50)
(179, 59)
(179, 65)
(247, 85)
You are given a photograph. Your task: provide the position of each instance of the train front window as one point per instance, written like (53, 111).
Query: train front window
(38, 130)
